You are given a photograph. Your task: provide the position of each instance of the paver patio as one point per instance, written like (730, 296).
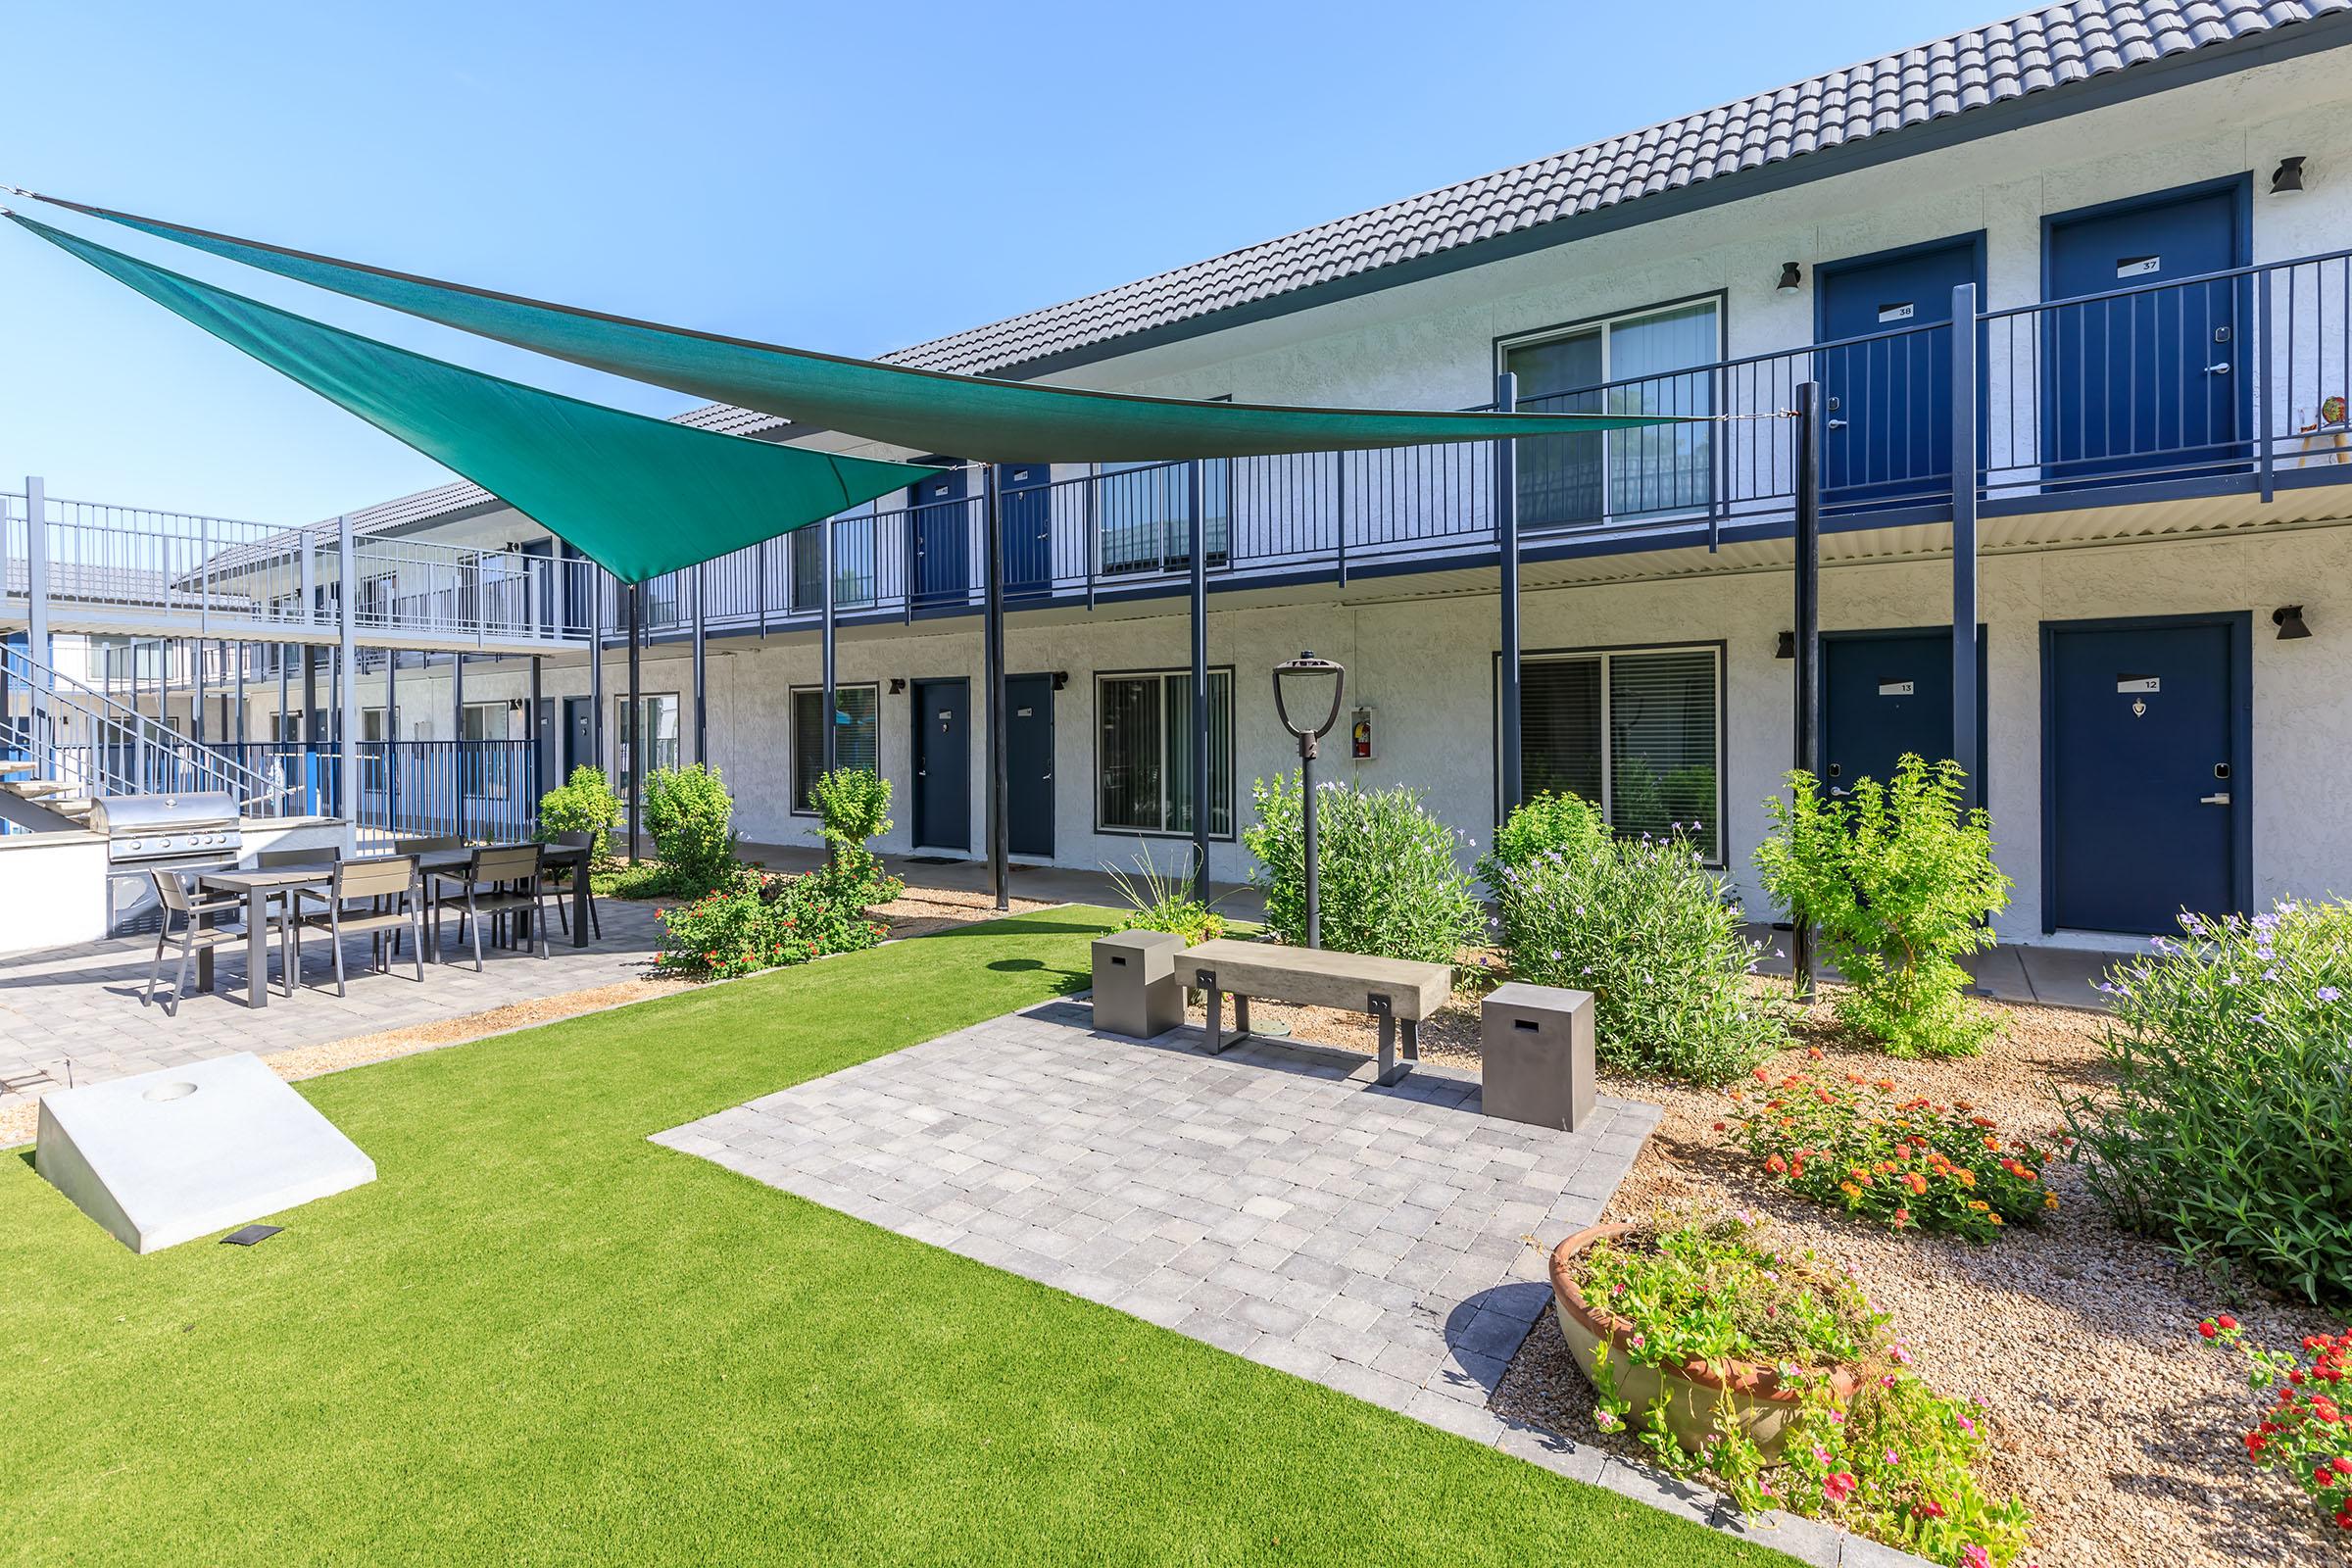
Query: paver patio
(1388, 1243)
(72, 1015)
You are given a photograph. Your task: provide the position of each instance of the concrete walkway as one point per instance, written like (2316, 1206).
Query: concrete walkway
(1390, 1244)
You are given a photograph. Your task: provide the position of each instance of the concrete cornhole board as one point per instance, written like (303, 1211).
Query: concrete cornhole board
(167, 1157)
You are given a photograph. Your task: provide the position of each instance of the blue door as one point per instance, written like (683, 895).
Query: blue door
(1884, 694)
(2148, 381)
(1888, 402)
(2143, 741)
(1029, 764)
(1025, 507)
(938, 528)
(943, 765)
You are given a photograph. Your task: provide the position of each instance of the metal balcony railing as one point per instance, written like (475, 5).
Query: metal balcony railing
(179, 574)
(2238, 376)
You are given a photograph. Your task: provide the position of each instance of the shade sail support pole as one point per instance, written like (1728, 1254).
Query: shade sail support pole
(596, 580)
(1964, 545)
(1196, 507)
(633, 725)
(829, 744)
(1808, 637)
(347, 661)
(994, 637)
(36, 627)
(1506, 542)
(701, 672)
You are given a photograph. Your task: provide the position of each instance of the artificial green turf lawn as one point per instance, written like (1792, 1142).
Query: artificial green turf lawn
(538, 1338)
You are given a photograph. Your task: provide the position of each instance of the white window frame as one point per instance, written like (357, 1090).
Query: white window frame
(1232, 721)
(1715, 855)
(792, 760)
(1604, 327)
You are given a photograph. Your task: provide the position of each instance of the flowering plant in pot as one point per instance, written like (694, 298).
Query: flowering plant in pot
(1766, 1369)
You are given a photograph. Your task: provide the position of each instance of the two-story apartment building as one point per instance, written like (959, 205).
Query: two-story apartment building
(2146, 200)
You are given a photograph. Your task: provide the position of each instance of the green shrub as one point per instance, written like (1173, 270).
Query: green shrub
(1898, 882)
(1643, 925)
(583, 804)
(1549, 821)
(1156, 902)
(1909, 1164)
(755, 921)
(2225, 1133)
(1391, 883)
(690, 817)
(852, 805)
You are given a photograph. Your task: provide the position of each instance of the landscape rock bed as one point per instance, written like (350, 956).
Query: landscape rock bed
(2114, 1422)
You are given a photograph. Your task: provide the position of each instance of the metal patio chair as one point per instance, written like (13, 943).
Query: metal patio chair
(427, 846)
(389, 886)
(496, 882)
(266, 860)
(195, 934)
(560, 882)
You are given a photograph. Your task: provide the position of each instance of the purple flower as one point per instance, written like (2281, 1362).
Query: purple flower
(2329, 992)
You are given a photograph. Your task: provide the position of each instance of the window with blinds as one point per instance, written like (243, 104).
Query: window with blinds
(1144, 753)
(856, 727)
(1638, 733)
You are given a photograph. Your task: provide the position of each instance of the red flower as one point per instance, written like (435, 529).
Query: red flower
(2227, 1321)
(1775, 1164)
(2206, 1329)
(1839, 1487)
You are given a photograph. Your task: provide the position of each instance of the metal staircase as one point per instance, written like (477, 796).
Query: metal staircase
(64, 744)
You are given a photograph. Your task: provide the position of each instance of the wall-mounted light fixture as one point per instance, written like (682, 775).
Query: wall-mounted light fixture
(897, 685)
(2288, 618)
(2288, 178)
(1785, 648)
(1792, 278)
(1062, 680)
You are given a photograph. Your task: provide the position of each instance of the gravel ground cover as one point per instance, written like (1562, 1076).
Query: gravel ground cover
(2114, 1423)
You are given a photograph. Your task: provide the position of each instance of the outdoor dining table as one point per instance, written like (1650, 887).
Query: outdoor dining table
(259, 886)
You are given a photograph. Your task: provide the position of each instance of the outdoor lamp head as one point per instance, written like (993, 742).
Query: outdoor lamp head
(1300, 673)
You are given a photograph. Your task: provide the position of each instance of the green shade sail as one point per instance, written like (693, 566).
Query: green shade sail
(920, 411)
(638, 495)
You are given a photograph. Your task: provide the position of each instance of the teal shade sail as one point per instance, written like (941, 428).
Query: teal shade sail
(638, 495)
(919, 410)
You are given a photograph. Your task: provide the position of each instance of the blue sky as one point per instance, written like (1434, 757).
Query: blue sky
(844, 178)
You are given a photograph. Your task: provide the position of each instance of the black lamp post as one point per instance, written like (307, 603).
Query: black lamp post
(1299, 675)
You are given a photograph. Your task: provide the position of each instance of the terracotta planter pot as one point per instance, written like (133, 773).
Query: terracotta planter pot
(1692, 1394)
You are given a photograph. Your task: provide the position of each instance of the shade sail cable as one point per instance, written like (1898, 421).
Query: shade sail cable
(639, 496)
(902, 405)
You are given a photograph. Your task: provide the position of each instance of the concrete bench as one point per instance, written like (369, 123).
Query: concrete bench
(1394, 990)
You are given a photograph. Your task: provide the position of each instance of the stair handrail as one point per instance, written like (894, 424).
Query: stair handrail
(251, 788)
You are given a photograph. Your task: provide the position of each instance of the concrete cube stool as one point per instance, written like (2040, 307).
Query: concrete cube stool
(1136, 989)
(1535, 1055)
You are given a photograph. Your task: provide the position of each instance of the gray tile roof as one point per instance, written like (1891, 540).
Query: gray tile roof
(2051, 48)
(2004, 61)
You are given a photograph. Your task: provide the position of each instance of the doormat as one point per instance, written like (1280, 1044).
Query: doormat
(932, 860)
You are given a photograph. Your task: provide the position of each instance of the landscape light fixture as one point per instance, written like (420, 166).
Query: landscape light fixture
(1785, 648)
(1303, 678)
(2288, 618)
(2288, 178)
(1792, 278)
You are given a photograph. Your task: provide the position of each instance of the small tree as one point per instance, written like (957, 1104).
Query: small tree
(852, 805)
(1899, 881)
(690, 817)
(1391, 884)
(585, 803)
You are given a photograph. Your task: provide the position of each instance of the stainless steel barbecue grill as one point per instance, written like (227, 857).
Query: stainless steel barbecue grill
(155, 829)
(145, 833)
